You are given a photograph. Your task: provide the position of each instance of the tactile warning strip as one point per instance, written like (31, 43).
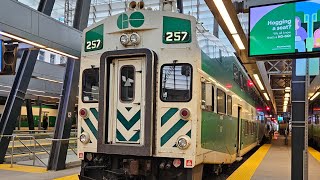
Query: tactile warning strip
(247, 169)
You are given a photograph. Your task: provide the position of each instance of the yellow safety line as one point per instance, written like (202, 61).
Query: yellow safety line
(28, 169)
(71, 177)
(247, 169)
(314, 153)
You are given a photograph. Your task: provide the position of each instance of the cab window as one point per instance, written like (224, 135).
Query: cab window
(176, 82)
(90, 85)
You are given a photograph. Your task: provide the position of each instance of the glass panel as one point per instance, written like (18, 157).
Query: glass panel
(127, 81)
(221, 96)
(90, 85)
(176, 82)
(229, 105)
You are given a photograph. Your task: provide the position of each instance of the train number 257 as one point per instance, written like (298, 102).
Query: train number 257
(176, 36)
(93, 44)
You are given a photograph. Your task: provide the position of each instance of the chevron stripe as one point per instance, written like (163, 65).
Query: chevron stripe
(172, 131)
(95, 113)
(91, 127)
(119, 136)
(128, 124)
(135, 137)
(168, 115)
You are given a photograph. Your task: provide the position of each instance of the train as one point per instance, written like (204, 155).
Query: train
(157, 101)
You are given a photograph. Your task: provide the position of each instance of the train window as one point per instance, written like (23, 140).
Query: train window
(127, 83)
(221, 101)
(229, 105)
(176, 82)
(90, 85)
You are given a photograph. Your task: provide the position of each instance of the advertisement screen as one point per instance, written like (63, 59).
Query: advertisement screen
(288, 28)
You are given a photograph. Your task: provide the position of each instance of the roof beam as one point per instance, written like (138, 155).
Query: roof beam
(37, 27)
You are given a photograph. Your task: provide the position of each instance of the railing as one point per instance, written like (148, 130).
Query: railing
(32, 138)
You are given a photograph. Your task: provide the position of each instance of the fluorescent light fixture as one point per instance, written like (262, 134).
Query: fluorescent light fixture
(287, 89)
(45, 96)
(314, 96)
(62, 53)
(266, 96)
(225, 16)
(51, 80)
(22, 39)
(256, 77)
(36, 91)
(237, 38)
(287, 95)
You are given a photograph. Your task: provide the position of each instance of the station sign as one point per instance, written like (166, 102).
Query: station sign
(285, 29)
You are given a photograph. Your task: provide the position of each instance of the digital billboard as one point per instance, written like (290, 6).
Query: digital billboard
(286, 28)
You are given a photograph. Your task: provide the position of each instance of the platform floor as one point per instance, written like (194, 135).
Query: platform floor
(273, 162)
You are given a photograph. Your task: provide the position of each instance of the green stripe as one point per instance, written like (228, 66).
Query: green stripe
(120, 136)
(128, 124)
(135, 137)
(189, 133)
(172, 131)
(168, 115)
(91, 127)
(95, 113)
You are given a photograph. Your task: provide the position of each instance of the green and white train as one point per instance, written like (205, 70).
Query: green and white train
(153, 105)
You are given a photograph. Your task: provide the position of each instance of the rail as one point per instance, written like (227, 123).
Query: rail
(36, 143)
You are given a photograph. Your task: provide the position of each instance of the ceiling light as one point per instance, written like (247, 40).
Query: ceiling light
(287, 89)
(21, 39)
(237, 38)
(45, 79)
(287, 95)
(266, 96)
(256, 77)
(225, 16)
(61, 53)
(314, 96)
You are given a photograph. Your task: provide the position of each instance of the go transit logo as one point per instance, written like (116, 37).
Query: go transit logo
(136, 20)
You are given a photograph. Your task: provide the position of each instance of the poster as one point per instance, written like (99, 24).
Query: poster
(287, 28)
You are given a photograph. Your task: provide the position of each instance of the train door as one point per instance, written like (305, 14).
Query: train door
(127, 109)
(239, 131)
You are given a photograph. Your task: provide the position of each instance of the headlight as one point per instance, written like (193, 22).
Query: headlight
(84, 137)
(124, 39)
(135, 38)
(183, 142)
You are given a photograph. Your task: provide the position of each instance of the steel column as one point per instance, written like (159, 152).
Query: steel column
(298, 124)
(15, 99)
(29, 114)
(19, 87)
(67, 103)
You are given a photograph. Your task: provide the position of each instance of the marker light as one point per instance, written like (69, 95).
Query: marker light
(135, 38)
(256, 77)
(124, 39)
(84, 138)
(183, 142)
(185, 113)
(83, 113)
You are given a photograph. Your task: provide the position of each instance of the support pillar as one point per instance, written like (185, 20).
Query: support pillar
(19, 87)
(299, 118)
(29, 114)
(67, 103)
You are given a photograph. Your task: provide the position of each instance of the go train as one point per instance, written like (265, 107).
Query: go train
(154, 105)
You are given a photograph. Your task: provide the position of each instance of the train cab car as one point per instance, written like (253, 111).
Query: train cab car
(154, 105)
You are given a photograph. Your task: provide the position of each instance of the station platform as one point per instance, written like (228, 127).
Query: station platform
(273, 162)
